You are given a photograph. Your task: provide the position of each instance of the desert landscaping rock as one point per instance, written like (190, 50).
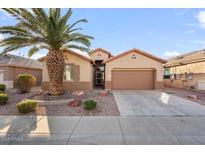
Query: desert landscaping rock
(46, 97)
(58, 105)
(54, 102)
(14, 98)
(192, 96)
(200, 95)
(106, 106)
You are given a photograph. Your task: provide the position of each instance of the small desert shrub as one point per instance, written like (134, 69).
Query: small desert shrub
(90, 105)
(192, 87)
(3, 99)
(26, 106)
(2, 87)
(24, 83)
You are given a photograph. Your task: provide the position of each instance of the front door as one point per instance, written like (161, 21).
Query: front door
(99, 74)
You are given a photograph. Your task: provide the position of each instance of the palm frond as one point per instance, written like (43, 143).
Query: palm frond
(11, 48)
(36, 28)
(32, 51)
(74, 46)
(77, 22)
(14, 30)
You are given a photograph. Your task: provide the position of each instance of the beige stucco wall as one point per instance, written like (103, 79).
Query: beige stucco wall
(85, 67)
(10, 73)
(194, 68)
(178, 83)
(95, 55)
(141, 61)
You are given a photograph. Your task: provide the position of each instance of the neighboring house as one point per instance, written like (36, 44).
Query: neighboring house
(186, 71)
(11, 66)
(134, 69)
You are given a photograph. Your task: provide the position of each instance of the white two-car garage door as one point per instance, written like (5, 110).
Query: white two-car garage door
(133, 79)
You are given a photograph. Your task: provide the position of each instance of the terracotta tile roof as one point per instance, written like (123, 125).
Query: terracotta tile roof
(190, 57)
(100, 49)
(13, 60)
(137, 51)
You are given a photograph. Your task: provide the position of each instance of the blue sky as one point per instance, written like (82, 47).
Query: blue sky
(162, 32)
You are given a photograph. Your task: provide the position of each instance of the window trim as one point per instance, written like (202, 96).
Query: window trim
(72, 65)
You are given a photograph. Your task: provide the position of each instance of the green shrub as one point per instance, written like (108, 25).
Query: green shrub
(192, 87)
(2, 87)
(3, 99)
(24, 83)
(26, 106)
(90, 105)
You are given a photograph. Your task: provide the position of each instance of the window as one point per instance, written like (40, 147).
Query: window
(69, 73)
(166, 73)
(190, 76)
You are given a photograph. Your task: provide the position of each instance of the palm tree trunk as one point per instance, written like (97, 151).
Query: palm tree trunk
(55, 66)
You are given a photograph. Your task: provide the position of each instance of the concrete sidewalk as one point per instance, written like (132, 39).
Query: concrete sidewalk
(102, 130)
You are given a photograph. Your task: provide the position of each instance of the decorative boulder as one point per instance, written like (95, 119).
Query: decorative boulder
(78, 93)
(103, 94)
(74, 103)
(192, 96)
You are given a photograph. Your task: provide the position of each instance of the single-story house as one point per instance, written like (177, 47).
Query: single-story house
(133, 69)
(12, 65)
(186, 71)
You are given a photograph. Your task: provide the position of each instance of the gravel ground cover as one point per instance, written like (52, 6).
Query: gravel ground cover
(106, 105)
(184, 92)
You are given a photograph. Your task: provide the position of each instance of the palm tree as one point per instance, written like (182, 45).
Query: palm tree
(38, 29)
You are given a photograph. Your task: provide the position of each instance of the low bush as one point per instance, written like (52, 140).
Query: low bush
(2, 87)
(192, 87)
(90, 105)
(24, 83)
(26, 106)
(3, 99)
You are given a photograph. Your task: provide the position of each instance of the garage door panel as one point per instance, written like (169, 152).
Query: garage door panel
(133, 79)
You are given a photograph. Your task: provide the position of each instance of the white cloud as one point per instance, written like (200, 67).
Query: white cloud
(15, 52)
(169, 54)
(38, 55)
(35, 56)
(201, 18)
(1, 37)
(6, 14)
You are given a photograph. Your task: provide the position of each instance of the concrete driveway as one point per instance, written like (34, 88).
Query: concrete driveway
(155, 103)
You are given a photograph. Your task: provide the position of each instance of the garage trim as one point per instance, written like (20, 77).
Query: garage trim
(134, 69)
